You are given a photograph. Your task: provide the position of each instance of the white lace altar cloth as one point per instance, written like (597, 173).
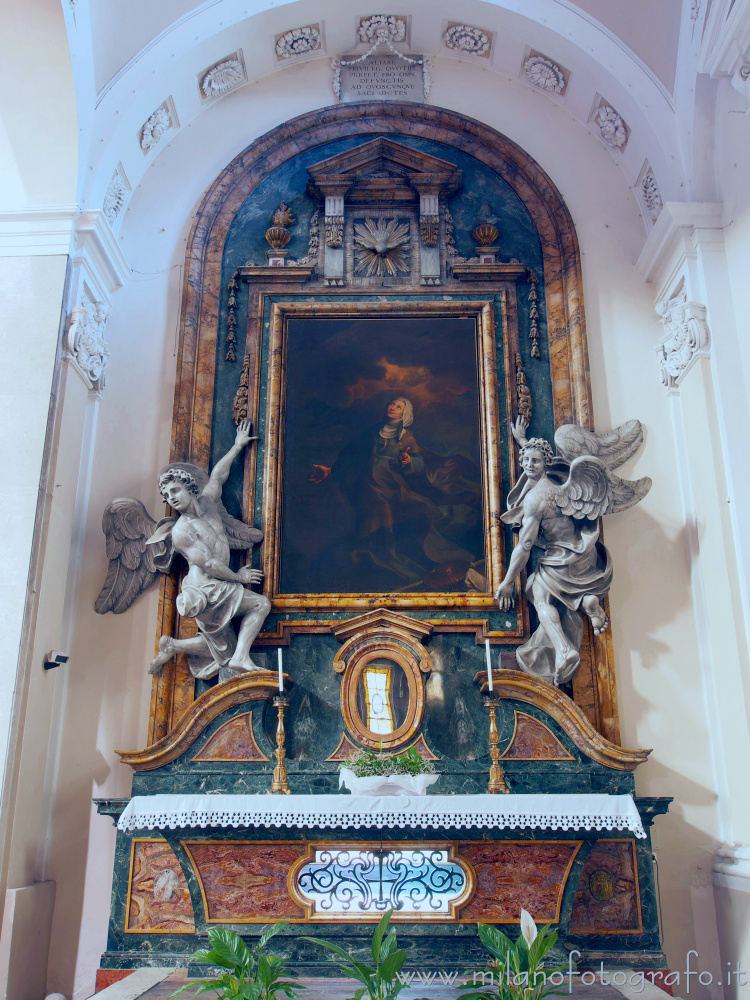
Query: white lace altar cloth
(418, 812)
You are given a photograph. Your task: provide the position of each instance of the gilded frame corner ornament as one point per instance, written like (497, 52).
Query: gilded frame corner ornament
(482, 310)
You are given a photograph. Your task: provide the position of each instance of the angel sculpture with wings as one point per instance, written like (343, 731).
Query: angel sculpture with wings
(557, 502)
(204, 533)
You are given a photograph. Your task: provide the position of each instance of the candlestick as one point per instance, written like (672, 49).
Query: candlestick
(280, 783)
(497, 778)
(489, 664)
(281, 673)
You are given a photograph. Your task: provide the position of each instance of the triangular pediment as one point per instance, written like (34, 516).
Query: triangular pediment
(382, 620)
(373, 165)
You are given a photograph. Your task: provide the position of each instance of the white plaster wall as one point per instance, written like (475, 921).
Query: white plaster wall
(24, 406)
(36, 206)
(35, 68)
(732, 152)
(108, 693)
(661, 696)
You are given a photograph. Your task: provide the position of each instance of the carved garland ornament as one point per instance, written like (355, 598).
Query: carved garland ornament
(334, 231)
(534, 314)
(544, 74)
(85, 340)
(429, 226)
(223, 77)
(450, 243)
(686, 338)
(383, 29)
(154, 130)
(467, 38)
(298, 42)
(523, 393)
(311, 257)
(231, 354)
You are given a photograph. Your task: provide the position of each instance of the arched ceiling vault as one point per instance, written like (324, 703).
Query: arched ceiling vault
(136, 60)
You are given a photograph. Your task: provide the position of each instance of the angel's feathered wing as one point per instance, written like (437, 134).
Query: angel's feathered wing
(134, 564)
(585, 493)
(591, 490)
(240, 535)
(612, 447)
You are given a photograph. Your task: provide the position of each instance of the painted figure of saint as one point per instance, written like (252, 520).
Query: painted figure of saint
(417, 513)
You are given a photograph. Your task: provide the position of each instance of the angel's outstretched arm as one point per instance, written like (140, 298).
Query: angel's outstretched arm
(519, 428)
(220, 472)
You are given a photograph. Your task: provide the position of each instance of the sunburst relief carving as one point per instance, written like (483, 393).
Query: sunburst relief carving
(381, 247)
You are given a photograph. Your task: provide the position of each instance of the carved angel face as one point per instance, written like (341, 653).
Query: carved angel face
(177, 495)
(178, 488)
(532, 463)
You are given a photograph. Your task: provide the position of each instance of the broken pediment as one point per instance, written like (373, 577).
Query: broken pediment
(383, 169)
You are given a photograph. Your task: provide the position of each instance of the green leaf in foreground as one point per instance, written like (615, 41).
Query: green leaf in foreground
(252, 974)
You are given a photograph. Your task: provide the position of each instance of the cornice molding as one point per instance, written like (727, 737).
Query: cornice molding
(93, 239)
(682, 227)
(726, 39)
(36, 232)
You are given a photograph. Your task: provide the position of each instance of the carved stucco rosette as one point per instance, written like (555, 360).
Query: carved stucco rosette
(114, 199)
(611, 126)
(544, 74)
(222, 77)
(156, 127)
(298, 42)
(466, 38)
(382, 28)
(686, 338)
(651, 197)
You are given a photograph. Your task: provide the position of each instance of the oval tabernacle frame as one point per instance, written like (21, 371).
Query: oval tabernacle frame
(381, 655)
(362, 665)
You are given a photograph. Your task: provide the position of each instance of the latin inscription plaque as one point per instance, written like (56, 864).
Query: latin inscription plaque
(381, 78)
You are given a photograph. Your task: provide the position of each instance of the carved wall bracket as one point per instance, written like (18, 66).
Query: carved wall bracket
(686, 338)
(85, 341)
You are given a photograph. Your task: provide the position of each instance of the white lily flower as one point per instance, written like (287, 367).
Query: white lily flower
(528, 927)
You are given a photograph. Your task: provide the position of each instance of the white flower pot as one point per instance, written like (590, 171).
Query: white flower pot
(392, 784)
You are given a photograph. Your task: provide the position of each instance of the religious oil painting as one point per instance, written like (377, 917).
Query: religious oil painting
(382, 469)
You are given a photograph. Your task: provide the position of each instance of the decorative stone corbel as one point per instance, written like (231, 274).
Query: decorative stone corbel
(686, 338)
(85, 342)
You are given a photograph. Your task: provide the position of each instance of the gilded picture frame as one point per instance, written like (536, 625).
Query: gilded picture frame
(483, 313)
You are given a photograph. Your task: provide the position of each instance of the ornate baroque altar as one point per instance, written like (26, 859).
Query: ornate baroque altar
(350, 261)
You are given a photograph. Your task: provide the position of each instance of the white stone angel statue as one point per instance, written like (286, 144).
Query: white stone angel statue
(139, 549)
(557, 502)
